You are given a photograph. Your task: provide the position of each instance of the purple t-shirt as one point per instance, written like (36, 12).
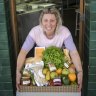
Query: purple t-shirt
(62, 38)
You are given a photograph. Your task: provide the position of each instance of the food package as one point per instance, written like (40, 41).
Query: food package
(36, 69)
(39, 52)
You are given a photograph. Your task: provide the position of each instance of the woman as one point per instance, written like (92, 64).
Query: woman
(50, 32)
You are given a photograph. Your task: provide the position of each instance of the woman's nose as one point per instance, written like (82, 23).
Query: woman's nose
(49, 23)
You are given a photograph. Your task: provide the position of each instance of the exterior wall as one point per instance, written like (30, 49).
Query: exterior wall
(6, 88)
(90, 47)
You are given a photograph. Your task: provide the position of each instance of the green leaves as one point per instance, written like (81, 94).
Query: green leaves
(54, 55)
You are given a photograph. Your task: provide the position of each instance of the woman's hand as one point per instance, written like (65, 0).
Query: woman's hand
(77, 62)
(80, 78)
(18, 77)
(20, 63)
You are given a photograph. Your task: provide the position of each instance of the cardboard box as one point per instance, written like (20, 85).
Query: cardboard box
(65, 88)
(68, 88)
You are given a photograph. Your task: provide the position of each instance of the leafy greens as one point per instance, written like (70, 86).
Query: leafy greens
(54, 55)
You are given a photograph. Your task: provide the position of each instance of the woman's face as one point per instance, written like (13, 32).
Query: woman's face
(49, 23)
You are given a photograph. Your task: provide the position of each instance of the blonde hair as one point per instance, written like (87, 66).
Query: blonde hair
(54, 11)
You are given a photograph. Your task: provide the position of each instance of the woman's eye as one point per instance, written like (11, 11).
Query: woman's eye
(52, 20)
(45, 20)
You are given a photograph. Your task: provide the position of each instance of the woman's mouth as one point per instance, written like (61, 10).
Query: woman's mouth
(48, 28)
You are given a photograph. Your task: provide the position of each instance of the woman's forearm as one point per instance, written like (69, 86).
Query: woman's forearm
(21, 59)
(76, 60)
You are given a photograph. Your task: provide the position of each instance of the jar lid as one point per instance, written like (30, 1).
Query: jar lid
(25, 77)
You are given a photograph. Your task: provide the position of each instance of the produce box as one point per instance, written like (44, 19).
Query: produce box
(49, 74)
(68, 88)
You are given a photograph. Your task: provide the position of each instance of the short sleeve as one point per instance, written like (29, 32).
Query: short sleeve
(69, 43)
(28, 44)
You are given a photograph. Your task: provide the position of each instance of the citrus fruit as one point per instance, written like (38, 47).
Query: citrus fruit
(59, 71)
(72, 77)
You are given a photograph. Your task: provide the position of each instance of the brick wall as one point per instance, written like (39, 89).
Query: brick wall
(90, 48)
(6, 88)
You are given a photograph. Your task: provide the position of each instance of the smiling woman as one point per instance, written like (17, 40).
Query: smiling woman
(49, 32)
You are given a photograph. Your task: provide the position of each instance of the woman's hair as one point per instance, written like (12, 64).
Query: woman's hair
(54, 11)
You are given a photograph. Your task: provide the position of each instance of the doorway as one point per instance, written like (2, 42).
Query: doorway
(78, 38)
(80, 33)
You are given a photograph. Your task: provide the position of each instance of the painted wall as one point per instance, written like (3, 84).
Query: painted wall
(90, 48)
(6, 88)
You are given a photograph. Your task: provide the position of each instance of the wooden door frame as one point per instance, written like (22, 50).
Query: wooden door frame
(14, 26)
(81, 33)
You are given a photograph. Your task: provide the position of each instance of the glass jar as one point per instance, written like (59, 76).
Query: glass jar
(25, 81)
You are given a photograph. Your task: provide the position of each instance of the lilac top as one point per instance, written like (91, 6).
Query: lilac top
(36, 35)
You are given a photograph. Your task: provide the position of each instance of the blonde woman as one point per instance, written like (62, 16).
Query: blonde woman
(50, 32)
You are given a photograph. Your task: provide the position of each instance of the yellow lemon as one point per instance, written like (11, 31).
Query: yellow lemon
(59, 71)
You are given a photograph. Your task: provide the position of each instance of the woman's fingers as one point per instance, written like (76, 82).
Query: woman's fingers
(18, 77)
(17, 86)
(17, 83)
(79, 87)
(79, 76)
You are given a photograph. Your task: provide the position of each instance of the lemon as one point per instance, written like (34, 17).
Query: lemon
(59, 71)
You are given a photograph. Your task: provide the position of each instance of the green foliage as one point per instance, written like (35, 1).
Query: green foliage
(54, 55)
